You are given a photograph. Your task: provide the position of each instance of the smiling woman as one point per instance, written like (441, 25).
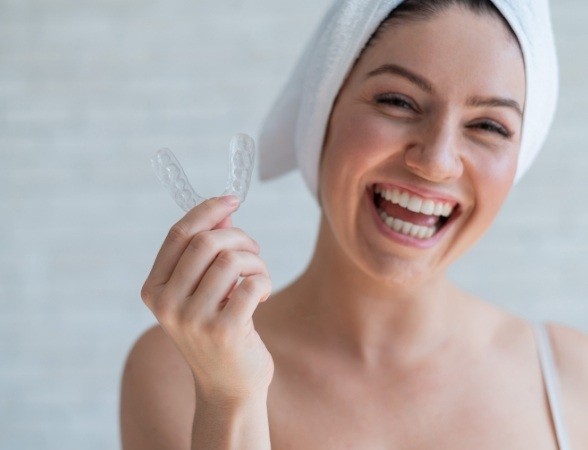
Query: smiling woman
(412, 117)
(411, 144)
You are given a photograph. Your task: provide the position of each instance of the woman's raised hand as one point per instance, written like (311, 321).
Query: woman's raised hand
(194, 293)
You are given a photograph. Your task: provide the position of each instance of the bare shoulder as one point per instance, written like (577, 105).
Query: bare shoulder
(157, 395)
(570, 349)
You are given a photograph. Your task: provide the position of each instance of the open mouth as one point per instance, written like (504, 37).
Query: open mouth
(410, 214)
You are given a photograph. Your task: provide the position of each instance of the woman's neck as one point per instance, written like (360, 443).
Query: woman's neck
(374, 320)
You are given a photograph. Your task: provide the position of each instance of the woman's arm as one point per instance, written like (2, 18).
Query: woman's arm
(201, 381)
(237, 426)
(159, 410)
(157, 395)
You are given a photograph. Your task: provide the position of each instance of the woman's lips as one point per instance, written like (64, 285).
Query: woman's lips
(412, 218)
(416, 202)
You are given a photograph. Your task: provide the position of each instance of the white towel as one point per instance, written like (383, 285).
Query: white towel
(293, 133)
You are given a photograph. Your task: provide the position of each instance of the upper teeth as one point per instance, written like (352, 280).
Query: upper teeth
(415, 203)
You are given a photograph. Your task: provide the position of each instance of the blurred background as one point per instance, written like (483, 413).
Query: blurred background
(89, 89)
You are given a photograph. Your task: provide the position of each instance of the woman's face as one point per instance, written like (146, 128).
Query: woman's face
(427, 125)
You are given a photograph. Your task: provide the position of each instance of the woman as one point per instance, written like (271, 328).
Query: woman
(372, 347)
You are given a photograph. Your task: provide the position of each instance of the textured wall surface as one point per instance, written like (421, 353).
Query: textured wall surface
(89, 89)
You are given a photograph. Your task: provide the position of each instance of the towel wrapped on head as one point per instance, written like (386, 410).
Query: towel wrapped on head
(294, 130)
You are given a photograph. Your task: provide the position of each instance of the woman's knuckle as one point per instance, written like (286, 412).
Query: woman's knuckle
(266, 283)
(178, 233)
(202, 242)
(252, 285)
(248, 238)
(242, 235)
(147, 293)
(226, 260)
(263, 286)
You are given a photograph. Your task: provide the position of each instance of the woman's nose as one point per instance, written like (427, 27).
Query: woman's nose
(435, 156)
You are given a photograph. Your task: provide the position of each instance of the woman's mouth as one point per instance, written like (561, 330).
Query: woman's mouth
(410, 214)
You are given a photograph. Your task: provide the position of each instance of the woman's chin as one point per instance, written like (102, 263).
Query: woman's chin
(395, 270)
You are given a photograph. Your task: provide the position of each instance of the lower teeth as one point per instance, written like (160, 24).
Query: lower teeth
(407, 228)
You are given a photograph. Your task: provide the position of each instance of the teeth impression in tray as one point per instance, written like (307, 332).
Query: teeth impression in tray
(170, 173)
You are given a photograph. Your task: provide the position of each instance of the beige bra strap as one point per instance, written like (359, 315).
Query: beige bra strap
(551, 384)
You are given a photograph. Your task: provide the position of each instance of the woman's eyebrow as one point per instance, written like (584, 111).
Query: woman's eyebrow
(495, 102)
(395, 69)
(426, 86)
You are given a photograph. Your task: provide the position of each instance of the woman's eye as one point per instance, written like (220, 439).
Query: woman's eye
(493, 127)
(396, 101)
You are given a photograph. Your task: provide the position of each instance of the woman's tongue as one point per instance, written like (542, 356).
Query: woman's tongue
(398, 212)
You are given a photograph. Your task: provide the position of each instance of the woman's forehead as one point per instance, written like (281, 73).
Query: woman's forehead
(456, 47)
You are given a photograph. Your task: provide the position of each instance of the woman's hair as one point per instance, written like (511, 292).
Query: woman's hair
(422, 10)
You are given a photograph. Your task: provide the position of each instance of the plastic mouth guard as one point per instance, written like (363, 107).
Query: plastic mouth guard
(170, 173)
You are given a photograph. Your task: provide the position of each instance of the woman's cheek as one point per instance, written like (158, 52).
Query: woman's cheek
(368, 136)
(495, 174)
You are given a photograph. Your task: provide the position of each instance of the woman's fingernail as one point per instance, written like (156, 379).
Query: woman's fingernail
(231, 200)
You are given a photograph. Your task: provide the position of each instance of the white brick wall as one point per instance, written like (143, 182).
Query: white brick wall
(90, 88)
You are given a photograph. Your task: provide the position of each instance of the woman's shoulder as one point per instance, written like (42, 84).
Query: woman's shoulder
(157, 394)
(155, 355)
(570, 352)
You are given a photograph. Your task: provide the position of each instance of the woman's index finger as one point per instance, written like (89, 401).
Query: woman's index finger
(202, 217)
